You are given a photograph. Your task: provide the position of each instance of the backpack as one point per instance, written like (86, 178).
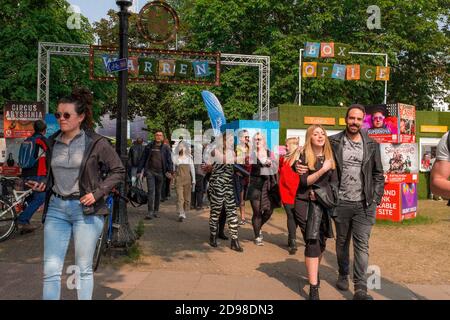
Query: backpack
(28, 153)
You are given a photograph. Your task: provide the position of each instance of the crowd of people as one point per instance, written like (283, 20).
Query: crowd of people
(327, 180)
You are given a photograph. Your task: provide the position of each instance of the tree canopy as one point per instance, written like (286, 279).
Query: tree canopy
(25, 23)
(414, 34)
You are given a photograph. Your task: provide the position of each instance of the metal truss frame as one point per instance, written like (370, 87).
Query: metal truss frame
(49, 49)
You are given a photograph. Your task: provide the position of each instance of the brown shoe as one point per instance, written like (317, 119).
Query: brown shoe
(26, 228)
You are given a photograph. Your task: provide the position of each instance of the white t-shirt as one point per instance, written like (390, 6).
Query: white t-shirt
(442, 152)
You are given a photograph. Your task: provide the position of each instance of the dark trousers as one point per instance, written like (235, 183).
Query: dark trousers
(260, 217)
(354, 221)
(166, 188)
(154, 184)
(198, 192)
(291, 223)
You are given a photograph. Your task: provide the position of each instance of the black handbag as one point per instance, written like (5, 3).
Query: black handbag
(137, 195)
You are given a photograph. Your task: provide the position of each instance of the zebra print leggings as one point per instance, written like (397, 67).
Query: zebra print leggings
(223, 197)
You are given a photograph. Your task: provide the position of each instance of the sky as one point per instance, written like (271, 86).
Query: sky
(97, 9)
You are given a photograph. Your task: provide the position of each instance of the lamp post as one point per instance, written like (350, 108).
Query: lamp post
(125, 236)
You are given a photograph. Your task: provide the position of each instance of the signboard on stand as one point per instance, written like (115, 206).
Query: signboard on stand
(18, 118)
(391, 123)
(399, 202)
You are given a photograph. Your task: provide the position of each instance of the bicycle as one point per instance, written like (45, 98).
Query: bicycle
(11, 206)
(105, 238)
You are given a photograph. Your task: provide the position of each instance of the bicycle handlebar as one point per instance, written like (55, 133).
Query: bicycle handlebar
(116, 193)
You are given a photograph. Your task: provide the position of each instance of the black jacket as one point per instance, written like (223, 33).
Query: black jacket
(372, 168)
(135, 154)
(326, 191)
(99, 159)
(166, 155)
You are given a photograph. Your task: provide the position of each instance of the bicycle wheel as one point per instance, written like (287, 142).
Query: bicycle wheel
(7, 219)
(101, 242)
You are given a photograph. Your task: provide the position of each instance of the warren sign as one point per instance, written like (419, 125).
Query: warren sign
(158, 66)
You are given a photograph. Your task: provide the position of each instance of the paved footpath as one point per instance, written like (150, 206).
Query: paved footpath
(178, 264)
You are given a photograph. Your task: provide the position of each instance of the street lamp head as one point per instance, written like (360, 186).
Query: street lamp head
(124, 3)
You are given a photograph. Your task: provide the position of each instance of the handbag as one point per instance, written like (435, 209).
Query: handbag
(137, 195)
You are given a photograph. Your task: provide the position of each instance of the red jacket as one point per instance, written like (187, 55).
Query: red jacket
(289, 181)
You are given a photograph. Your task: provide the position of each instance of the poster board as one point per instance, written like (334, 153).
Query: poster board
(18, 118)
(400, 162)
(399, 202)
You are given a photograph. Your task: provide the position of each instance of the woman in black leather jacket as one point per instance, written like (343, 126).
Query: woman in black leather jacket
(316, 193)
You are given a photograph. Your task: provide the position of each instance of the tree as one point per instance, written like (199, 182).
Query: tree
(23, 24)
(417, 46)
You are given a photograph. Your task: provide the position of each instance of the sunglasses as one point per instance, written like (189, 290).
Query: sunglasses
(66, 115)
(378, 118)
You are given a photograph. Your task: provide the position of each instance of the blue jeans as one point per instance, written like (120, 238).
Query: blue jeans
(64, 218)
(34, 201)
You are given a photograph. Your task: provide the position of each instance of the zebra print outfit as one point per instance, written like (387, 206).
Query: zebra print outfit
(221, 193)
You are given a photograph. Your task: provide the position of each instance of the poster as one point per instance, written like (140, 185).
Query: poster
(399, 158)
(2, 150)
(408, 200)
(407, 123)
(400, 162)
(18, 118)
(389, 208)
(381, 123)
(399, 202)
(427, 153)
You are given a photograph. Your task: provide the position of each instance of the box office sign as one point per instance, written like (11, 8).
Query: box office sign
(18, 118)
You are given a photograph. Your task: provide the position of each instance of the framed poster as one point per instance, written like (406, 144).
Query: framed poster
(427, 153)
(381, 123)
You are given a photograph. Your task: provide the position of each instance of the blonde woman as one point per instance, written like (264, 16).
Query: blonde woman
(288, 184)
(315, 223)
(262, 180)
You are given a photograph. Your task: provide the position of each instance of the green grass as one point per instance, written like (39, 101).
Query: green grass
(139, 229)
(133, 253)
(418, 220)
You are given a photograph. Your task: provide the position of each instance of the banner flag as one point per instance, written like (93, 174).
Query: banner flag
(312, 50)
(215, 110)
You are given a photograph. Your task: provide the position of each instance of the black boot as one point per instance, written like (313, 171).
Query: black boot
(292, 246)
(236, 246)
(314, 292)
(222, 236)
(213, 241)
